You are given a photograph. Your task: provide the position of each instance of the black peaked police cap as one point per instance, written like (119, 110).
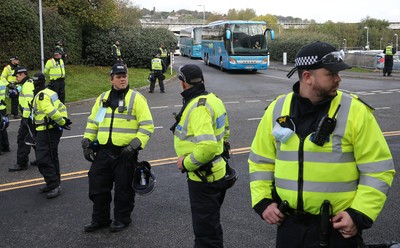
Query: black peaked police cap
(319, 55)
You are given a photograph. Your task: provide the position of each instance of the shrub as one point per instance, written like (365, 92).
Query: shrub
(137, 45)
(292, 42)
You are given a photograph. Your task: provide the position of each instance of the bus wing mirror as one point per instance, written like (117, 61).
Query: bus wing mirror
(228, 34)
(271, 33)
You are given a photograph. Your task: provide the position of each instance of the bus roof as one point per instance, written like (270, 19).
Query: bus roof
(220, 22)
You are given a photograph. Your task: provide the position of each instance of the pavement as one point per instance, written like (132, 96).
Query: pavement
(373, 74)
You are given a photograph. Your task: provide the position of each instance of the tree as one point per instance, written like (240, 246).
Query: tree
(215, 16)
(242, 14)
(99, 13)
(128, 14)
(271, 20)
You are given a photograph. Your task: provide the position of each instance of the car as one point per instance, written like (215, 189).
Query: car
(177, 51)
(380, 61)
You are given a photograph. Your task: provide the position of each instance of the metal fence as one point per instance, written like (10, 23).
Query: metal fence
(370, 59)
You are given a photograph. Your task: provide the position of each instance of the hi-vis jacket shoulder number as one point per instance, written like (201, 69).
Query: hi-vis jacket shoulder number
(200, 136)
(134, 121)
(353, 169)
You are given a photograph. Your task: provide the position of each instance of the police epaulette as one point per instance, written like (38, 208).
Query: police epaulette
(202, 102)
(275, 100)
(41, 96)
(366, 104)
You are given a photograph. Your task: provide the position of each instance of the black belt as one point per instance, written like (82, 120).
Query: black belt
(301, 217)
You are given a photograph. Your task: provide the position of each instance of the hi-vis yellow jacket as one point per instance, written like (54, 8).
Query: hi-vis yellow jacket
(134, 122)
(3, 85)
(353, 169)
(47, 105)
(200, 136)
(25, 98)
(7, 75)
(55, 69)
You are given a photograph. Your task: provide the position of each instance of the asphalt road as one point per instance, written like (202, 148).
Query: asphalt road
(162, 219)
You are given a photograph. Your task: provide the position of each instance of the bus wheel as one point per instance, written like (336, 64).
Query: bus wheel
(221, 67)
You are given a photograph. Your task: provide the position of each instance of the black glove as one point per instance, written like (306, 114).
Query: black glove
(227, 147)
(88, 150)
(67, 124)
(131, 151)
(11, 86)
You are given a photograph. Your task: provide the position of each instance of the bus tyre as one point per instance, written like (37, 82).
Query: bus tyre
(207, 60)
(221, 67)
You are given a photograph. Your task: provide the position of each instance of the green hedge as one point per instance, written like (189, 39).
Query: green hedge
(137, 45)
(292, 42)
(20, 33)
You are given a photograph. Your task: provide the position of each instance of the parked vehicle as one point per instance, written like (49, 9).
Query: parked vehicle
(380, 61)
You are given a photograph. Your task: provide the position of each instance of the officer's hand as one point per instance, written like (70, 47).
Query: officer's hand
(344, 224)
(272, 215)
(129, 153)
(67, 124)
(87, 150)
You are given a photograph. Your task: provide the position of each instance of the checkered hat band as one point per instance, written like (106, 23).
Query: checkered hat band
(304, 61)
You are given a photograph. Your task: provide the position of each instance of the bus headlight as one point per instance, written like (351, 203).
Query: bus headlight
(232, 61)
(264, 61)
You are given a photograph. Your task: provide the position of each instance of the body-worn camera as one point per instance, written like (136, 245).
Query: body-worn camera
(324, 129)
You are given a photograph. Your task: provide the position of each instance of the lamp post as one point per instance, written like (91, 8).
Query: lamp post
(380, 43)
(344, 44)
(367, 46)
(204, 13)
(397, 42)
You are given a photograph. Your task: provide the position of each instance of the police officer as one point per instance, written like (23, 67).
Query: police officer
(388, 51)
(4, 142)
(199, 133)
(319, 152)
(116, 52)
(25, 89)
(157, 68)
(11, 81)
(50, 116)
(119, 125)
(60, 46)
(55, 69)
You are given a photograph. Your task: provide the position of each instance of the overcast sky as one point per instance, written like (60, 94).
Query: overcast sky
(319, 10)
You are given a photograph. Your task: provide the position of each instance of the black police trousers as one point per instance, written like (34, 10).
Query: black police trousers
(205, 202)
(47, 155)
(14, 105)
(160, 76)
(108, 172)
(388, 66)
(303, 231)
(58, 86)
(23, 149)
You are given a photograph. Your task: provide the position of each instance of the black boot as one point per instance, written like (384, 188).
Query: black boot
(18, 167)
(54, 192)
(94, 226)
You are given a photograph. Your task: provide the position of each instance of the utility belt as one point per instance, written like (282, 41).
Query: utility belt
(54, 81)
(301, 217)
(48, 124)
(206, 169)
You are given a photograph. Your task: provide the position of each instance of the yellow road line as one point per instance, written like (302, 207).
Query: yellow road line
(156, 162)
